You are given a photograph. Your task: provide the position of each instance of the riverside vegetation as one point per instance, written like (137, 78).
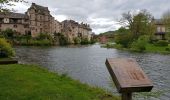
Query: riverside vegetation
(138, 35)
(43, 39)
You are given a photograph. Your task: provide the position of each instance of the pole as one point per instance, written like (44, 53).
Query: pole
(126, 96)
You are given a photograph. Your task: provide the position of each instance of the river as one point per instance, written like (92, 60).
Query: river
(87, 64)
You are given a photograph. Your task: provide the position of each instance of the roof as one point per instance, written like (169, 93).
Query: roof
(158, 21)
(85, 26)
(39, 8)
(12, 15)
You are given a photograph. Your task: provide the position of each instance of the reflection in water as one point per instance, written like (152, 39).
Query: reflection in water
(87, 64)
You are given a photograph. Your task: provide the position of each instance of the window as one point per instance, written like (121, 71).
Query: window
(163, 29)
(40, 17)
(158, 29)
(26, 26)
(15, 26)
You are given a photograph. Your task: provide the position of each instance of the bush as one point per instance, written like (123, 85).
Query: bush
(140, 44)
(77, 40)
(8, 33)
(167, 49)
(84, 41)
(162, 43)
(5, 49)
(93, 41)
(124, 39)
(62, 39)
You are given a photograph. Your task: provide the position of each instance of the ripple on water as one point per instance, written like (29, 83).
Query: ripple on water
(87, 64)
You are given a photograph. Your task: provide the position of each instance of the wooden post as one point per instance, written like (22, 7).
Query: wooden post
(128, 77)
(126, 96)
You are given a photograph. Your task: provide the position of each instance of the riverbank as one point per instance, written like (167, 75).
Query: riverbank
(30, 82)
(151, 48)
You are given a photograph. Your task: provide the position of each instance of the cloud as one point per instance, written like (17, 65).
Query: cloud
(102, 15)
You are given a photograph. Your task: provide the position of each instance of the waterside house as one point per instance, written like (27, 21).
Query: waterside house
(16, 21)
(38, 19)
(161, 29)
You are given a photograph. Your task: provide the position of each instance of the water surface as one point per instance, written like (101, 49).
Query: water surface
(87, 64)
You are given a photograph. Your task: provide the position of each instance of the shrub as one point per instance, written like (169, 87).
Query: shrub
(93, 41)
(140, 44)
(162, 43)
(109, 45)
(5, 49)
(62, 39)
(77, 40)
(8, 33)
(167, 49)
(124, 39)
(84, 41)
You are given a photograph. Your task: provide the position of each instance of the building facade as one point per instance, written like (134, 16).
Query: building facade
(73, 30)
(41, 20)
(16, 21)
(161, 29)
(38, 20)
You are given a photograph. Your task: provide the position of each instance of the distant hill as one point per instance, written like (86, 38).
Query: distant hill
(107, 33)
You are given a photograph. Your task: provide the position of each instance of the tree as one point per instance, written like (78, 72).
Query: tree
(123, 37)
(5, 3)
(139, 23)
(166, 21)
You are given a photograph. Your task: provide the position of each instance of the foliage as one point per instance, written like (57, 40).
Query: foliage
(93, 41)
(140, 44)
(5, 3)
(85, 41)
(162, 43)
(5, 49)
(8, 33)
(30, 82)
(138, 24)
(34, 42)
(123, 37)
(62, 39)
(166, 21)
(109, 45)
(77, 40)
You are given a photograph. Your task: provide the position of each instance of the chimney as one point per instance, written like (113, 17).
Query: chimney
(33, 4)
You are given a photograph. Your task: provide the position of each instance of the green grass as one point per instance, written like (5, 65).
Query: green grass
(149, 48)
(157, 49)
(30, 82)
(5, 59)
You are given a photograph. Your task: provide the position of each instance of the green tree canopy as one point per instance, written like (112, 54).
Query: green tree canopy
(5, 3)
(166, 18)
(139, 23)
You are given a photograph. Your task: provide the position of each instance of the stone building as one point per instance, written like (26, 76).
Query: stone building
(38, 19)
(15, 21)
(73, 29)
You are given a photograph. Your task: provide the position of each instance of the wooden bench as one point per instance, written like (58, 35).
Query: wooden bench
(128, 76)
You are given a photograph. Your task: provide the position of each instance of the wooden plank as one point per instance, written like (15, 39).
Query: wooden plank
(8, 61)
(128, 76)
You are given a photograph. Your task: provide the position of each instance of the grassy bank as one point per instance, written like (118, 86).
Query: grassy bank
(30, 82)
(158, 49)
(149, 48)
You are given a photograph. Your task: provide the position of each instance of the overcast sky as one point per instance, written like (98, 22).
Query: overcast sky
(102, 15)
